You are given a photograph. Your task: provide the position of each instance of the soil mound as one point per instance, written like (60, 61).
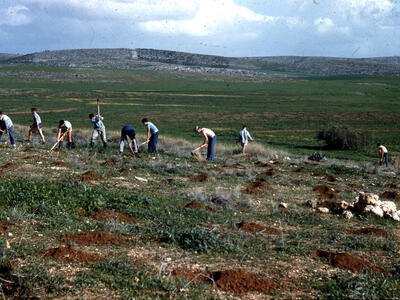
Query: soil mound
(109, 215)
(392, 185)
(69, 254)
(234, 166)
(170, 180)
(80, 212)
(12, 286)
(201, 178)
(391, 195)
(58, 164)
(94, 238)
(370, 230)
(336, 207)
(254, 227)
(239, 281)
(196, 204)
(110, 162)
(195, 275)
(10, 166)
(30, 157)
(346, 261)
(269, 172)
(301, 170)
(217, 169)
(257, 187)
(124, 171)
(90, 176)
(3, 227)
(326, 192)
(29, 150)
(1, 173)
(327, 177)
(262, 164)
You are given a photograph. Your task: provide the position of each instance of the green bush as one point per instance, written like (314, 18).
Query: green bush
(338, 137)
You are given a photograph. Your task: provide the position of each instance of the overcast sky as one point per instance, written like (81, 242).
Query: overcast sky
(344, 28)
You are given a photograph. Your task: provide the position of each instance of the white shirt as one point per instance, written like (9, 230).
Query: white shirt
(7, 121)
(67, 125)
(383, 149)
(208, 132)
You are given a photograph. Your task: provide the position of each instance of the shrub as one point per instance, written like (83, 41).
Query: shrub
(339, 137)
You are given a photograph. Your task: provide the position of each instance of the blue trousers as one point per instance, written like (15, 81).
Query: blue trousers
(152, 146)
(386, 159)
(211, 148)
(11, 134)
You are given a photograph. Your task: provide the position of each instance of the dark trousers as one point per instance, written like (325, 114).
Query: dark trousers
(11, 134)
(386, 159)
(152, 146)
(211, 148)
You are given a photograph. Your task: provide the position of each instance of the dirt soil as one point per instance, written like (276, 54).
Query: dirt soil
(110, 162)
(262, 164)
(390, 195)
(90, 176)
(327, 177)
(301, 170)
(234, 166)
(201, 178)
(1, 173)
(240, 281)
(392, 185)
(10, 166)
(80, 212)
(370, 230)
(124, 171)
(269, 172)
(69, 254)
(235, 281)
(346, 261)
(332, 206)
(196, 204)
(254, 227)
(58, 164)
(109, 215)
(94, 238)
(29, 150)
(257, 187)
(12, 286)
(30, 157)
(326, 192)
(3, 227)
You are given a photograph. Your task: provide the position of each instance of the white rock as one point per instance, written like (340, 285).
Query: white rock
(376, 210)
(283, 205)
(368, 198)
(388, 207)
(395, 216)
(344, 205)
(347, 214)
(286, 158)
(324, 210)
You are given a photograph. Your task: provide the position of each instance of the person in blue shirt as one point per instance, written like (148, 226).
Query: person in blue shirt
(128, 134)
(98, 129)
(37, 125)
(7, 126)
(152, 135)
(244, 138)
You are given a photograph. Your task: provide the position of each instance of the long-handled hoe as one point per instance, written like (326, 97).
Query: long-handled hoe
(57, 142)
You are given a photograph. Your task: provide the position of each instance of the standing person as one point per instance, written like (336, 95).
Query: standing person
(383, 154)
(244, 137)
(37, 125)
(8, 126)
(128, 134)
(64, 128)
(152, 136)
(98, 129)
(210, 138)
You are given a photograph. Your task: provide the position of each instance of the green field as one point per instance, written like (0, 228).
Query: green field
(283, 113)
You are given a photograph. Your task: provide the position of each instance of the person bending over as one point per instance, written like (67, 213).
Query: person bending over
(128, 134)
(152, 136)
(7, 126)
(64, 129)
(210, 138)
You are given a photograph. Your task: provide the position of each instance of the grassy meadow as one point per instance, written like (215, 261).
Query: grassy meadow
(285, 113)
(91, 223)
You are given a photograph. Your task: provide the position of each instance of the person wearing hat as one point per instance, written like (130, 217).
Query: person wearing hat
(210, 138)
(383, 154)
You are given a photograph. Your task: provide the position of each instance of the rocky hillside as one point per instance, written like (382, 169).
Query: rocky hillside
(181, 61)
(6, 56)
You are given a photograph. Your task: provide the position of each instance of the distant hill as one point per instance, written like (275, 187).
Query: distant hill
(181, 61)
(6, 56)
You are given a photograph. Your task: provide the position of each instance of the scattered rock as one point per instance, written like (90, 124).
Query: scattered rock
(109, 215)
(254, 227)
(196, 204)
(283, 205)
(141, 179)
(346, 261)
(368, 202)
(347, 214)
(69, 254)
(323, 210)
(95, 238)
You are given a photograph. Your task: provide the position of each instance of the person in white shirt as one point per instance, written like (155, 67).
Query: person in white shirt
(244, 137)
(210, 138)
(64, 128)
(383, 154)
(7, 126)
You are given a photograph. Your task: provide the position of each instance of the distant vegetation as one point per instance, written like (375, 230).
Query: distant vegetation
(339, 137)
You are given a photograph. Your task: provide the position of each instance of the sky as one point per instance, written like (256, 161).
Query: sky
(340, 28)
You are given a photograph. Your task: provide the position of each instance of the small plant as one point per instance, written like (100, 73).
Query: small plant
(338, 137)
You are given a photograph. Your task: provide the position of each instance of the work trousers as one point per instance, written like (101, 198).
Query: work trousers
(11, 134)
(100, 131)
(152, 146)
(211, 148)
